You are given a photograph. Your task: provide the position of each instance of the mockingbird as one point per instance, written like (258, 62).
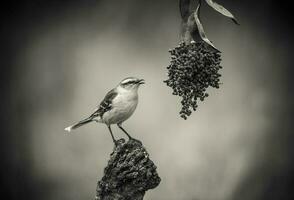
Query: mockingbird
(117, 106)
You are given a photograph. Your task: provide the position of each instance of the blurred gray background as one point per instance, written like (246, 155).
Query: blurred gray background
(60, 58)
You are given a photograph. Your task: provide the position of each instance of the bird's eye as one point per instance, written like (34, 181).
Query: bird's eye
(128, 83)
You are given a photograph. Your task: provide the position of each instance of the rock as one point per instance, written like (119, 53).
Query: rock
(129, 173)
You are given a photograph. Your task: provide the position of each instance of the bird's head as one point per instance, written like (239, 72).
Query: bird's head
(131, 83)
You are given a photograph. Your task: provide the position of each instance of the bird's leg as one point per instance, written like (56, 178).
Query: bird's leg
(130, 137)
(119, 125)
(115, 142)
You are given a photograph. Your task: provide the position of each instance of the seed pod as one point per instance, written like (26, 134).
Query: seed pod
(194, 75)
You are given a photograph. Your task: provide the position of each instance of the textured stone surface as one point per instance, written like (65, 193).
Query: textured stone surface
(129, 173)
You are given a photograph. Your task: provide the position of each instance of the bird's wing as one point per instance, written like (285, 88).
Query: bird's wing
(105, 105)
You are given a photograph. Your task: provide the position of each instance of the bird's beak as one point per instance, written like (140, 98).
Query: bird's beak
(141, 81)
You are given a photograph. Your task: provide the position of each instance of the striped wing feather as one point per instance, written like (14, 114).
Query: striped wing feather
(105, 105)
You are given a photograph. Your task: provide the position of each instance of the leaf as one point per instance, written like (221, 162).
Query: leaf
(200, 27)
(219, 8)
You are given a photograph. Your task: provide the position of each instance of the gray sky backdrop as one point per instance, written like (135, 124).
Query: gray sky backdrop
(235, 146)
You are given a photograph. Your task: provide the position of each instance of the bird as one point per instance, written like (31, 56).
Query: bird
(117, 106)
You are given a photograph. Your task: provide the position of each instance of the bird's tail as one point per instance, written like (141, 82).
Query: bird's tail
(77, 125)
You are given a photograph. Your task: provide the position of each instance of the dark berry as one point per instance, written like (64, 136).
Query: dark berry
(193, 68)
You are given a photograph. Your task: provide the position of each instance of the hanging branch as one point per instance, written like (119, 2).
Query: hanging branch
(185, 9)
(189, 30)
(195, 62)
(192, 26)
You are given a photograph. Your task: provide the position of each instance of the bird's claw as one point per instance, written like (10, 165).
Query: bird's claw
(116, 143)
(131, 138)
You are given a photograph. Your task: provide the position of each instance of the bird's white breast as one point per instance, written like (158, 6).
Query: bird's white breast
(123, 106)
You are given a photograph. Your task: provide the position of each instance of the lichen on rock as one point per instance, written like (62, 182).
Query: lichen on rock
(129, 173)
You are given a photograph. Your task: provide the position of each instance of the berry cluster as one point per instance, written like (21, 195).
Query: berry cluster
(194, 67)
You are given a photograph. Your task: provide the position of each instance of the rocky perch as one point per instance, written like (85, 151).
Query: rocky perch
(129, 173)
